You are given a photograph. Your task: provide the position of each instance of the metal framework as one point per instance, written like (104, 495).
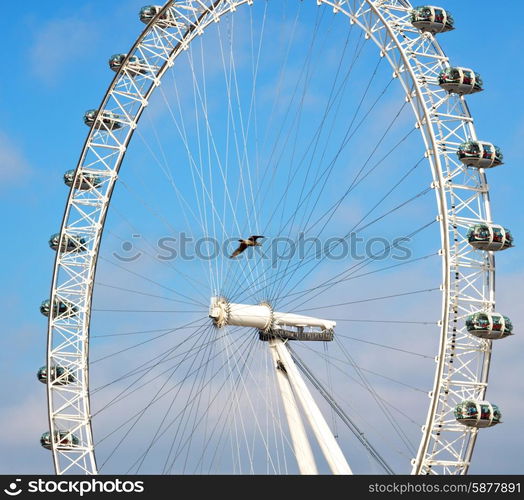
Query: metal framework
(444, 121)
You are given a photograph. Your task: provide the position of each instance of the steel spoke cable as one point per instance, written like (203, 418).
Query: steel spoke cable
(234, 390)
(365, 421)
(138, 292)
(334, 93)
(194, 347)
(165, 169)
(104, 259)
(325, 170)
(169, 391)
(155, 258)
(246, 390)
(229, 405)
(195, 400)
(242, 157)
(354, 268)
(304, 74)
(129, 390)
(182, 131)
(139, 332)
(388, 321)
(344, 143)
(238, 420)
(341, 413)
(183, 204)
(369, 224)
(378, 400)
(149, 365)
(388, 346)
(355, 229)
(371, 299)
(356, 181)
(196, 412)
(358, 382)
(332, 99)
(331, 360)
(314, 141)
(142, 413)
(201, 351)
(202, 204)
(215, 151)
(274, 417)
(342, 88)
(353, 276)
(304, 261)
(140, 344)
(283, 71)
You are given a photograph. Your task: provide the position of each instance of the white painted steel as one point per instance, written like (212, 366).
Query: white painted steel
(261, 316)
(303, 453)
(444, 122)
(328, 444)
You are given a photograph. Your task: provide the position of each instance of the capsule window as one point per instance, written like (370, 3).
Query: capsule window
(482, 233)
(467, 77)
(497, 323)
(483, 321)
(485, 412)
(473, 147)
(498, 234)
(439, 16)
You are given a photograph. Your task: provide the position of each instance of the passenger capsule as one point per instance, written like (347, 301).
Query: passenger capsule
(432, 19)
(70, 243)
(63, 439)
(460, 81)
(135, 65)
(62, 308)
(477, 414)
(86, 180)
(106, 120)
(479, 154)
(489, 237)
(59, 375)
(489, 325)
(148, 12)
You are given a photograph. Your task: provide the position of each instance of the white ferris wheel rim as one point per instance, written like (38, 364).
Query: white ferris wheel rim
(414, 57)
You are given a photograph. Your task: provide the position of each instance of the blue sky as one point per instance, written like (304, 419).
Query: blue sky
(56, 68)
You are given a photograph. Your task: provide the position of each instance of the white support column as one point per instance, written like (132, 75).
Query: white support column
(303, 452)
(330, 448)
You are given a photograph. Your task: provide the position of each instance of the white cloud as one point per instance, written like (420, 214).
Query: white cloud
(57, 43)
(13, 165)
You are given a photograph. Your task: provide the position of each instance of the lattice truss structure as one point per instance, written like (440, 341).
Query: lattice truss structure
(461, 193)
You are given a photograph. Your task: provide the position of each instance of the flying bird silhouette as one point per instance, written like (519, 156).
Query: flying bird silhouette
(250, 242)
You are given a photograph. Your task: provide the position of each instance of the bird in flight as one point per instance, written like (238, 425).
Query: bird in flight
(250, 242)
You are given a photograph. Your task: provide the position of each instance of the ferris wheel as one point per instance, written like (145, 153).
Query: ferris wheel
(268, 138)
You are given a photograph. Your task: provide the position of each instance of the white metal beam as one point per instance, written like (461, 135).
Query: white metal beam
(336, 460)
